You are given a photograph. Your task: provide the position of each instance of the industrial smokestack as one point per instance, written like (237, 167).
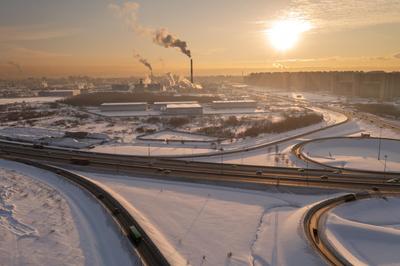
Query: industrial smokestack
(191, 70)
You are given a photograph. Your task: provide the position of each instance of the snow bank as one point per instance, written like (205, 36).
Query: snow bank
(361, 153)
(46, 220)
(366, 232)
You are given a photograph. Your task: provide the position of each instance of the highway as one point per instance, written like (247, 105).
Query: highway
(313, 225)
(166, 168)
(244, 176)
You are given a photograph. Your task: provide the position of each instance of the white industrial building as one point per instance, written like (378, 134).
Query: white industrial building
(234, 104)
(58, 93)
(184, 109)
(160, 106)
(116, 107)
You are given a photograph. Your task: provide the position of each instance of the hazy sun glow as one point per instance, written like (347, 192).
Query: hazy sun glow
(284, 34)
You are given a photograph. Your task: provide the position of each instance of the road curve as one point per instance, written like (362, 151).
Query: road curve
(144, 246)
(297, 150)
(312, 225)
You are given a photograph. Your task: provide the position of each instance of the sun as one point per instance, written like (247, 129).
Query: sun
(284, 34)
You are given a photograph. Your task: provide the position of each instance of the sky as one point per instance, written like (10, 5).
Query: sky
(113, 38)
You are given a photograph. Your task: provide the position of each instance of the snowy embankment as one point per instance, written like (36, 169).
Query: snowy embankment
(209, 225)
(356, 153)
(366, 232)
(46, 220)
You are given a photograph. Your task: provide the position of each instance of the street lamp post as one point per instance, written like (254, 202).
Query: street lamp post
(379, 145)
(222, 160)
(384, 168)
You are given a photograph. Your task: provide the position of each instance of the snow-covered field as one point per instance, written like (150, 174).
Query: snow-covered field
(366, 232)
(177, 136)
(361, 153)
(45, 220)
(29, 100)
(160, 149)
(197, 224)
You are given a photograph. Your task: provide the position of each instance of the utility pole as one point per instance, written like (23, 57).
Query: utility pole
(222, 160)
(379, 146)
(384, 168)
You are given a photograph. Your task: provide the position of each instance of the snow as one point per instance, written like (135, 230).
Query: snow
(201, 224)
(46, 220)
(175, 135)
(30, 134)
(366, 232)
(154, 149)
(356, 153)
(29, 100)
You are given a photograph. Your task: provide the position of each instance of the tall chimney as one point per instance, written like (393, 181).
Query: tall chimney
(191, 70)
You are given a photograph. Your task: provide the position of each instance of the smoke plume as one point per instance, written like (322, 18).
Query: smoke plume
(129, 12)
(143, 61)
(16, 65)
(164, 38)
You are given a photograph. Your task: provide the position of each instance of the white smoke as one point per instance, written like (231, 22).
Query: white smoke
(129, 12)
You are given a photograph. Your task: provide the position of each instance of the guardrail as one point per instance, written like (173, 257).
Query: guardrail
(312, 233)
(136, 235)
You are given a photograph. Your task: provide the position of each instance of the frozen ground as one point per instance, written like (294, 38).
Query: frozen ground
(29, 100)
(45, 220)
(356, 153)
(366, 232)
(178, 136)
(206, 225)
(330, 118)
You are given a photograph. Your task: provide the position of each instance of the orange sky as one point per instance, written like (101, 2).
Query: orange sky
(98, 37)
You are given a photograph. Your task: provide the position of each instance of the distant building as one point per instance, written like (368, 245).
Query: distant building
(120, 87)
(154, 87)
(160, 106)
(58, 93)
(184, 109)
(139, 87)
(234, 104)
(116, 107)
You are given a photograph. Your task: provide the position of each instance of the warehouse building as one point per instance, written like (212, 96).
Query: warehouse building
(160, 106)
(116, 107)
(184, 109)
(58, 93)
(234, 104)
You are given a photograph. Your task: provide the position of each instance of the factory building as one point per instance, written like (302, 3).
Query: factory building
(117, 107)
(184, 109)
(120, 87)
(161, 106)
(234, 104)
(58, 93)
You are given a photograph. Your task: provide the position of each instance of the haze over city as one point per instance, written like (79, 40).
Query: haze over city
(55, 38)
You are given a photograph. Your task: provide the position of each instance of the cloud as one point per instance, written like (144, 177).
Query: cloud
(15, 65)
(342, 14)
(397, 56)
